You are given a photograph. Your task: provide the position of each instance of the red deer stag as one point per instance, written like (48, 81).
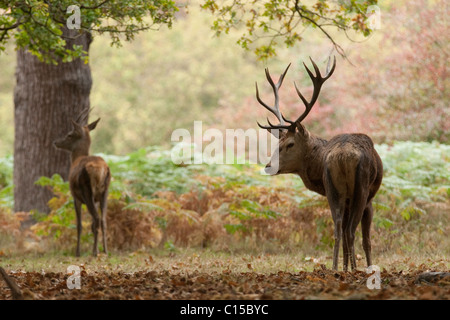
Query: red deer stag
(346, 169)
(89, 177)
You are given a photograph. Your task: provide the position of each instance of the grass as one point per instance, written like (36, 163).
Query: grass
(192, 260)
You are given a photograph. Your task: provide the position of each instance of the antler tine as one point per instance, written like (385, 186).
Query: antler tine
(270, 124)
(317, 81)
(271, 127)
(280, 80)
(330, 72)
(275, 110)
(262, 102)
(288, 121)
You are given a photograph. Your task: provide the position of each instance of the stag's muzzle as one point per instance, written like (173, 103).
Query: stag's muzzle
(272, 170)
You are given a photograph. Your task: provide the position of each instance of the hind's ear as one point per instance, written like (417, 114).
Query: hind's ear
(92, 125)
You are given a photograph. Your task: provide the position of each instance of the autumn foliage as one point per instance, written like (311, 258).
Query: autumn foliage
(394, 86)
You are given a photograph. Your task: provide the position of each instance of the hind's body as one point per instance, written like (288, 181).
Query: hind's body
(89, 178)
(93, 169)
(89, 181)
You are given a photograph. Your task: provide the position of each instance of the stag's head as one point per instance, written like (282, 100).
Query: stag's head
(79, 136)
(292, 135)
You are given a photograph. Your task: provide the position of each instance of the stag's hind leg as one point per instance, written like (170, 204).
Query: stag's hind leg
(337, 236)
(355, 217)
(365, 225)
(345, 242)
(337, 207)
(357, 207)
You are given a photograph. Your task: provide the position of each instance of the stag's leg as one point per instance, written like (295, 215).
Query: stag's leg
(337, 238)
(350, 231)
(77, 205)
(337, 206)
(336, 213)
(365, 225)
(103, 208)
(345, 244)
(357, 205)
(356, 215)
(349, 240)
(349, 235)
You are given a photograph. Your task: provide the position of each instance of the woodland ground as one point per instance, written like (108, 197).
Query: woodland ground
(262, 237)
(228, 232)
(203, 274)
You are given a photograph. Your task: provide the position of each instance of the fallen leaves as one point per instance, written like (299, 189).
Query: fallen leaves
(322, 283)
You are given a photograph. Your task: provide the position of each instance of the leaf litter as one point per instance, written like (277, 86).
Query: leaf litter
(321, 283)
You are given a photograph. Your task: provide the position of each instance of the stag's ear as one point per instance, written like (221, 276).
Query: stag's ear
(92, 125)
(301, 129)
(277, 133)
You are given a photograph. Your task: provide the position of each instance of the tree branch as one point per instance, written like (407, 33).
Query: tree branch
(15, 25)
(15, 290)
(95, 7)
(336, 46)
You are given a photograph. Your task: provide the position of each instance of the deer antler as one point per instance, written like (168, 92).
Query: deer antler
(317, 83)
(317, 80)
(275, 87)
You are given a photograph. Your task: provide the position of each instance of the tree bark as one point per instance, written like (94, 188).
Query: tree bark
(46, 98)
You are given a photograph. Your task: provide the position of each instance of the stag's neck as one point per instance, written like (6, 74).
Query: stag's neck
(311, 170)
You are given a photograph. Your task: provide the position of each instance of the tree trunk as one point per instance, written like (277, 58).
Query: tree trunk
(46, 98)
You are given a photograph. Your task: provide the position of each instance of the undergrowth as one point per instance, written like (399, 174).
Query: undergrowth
(154, 203)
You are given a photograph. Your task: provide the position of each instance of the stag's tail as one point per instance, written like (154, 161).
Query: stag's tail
(342, 165)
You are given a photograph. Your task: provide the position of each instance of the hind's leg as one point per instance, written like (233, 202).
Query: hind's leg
(77, 205)
(103, 207)
(90, 204)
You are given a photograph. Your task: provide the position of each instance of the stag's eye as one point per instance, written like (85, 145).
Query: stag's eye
(290, 145)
